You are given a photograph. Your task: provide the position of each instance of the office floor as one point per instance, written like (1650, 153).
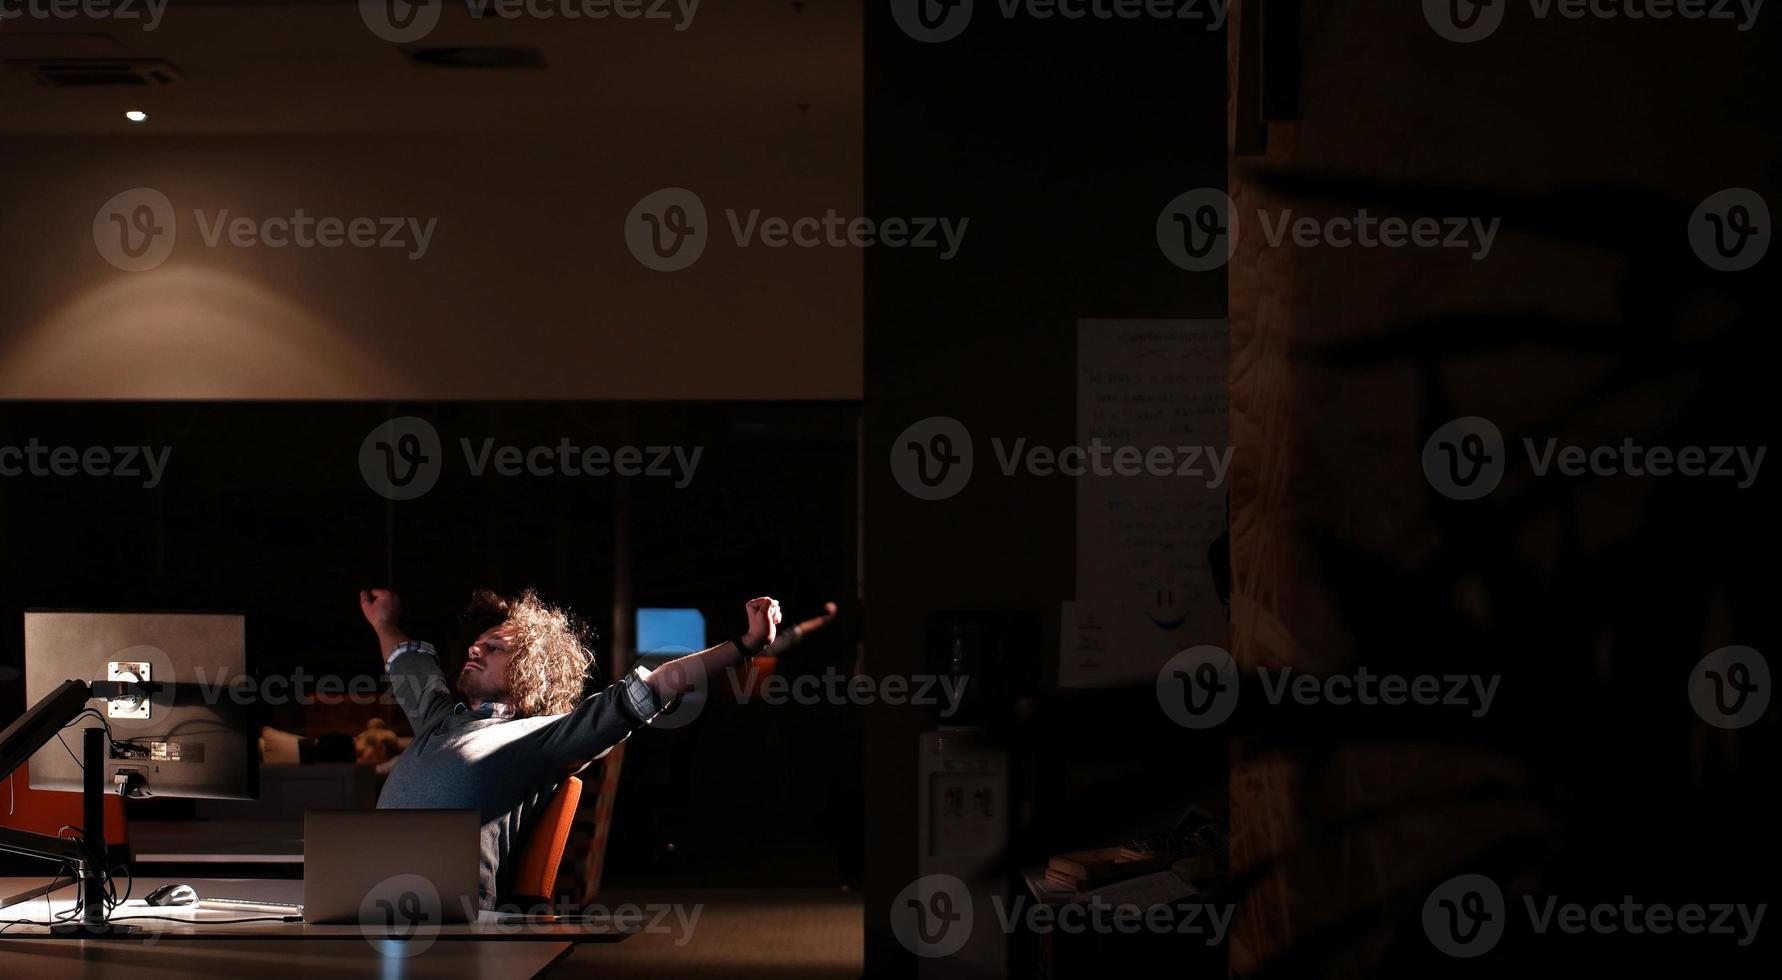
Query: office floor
(803, 934)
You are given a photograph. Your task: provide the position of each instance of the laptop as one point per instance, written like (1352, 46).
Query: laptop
(402, 869)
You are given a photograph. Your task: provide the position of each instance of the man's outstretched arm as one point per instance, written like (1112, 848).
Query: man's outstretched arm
(678, 676)
(610, 716)
(416, 681)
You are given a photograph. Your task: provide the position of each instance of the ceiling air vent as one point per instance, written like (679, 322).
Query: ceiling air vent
(88, 72)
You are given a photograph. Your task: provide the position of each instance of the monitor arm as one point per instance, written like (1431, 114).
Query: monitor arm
(32, 731)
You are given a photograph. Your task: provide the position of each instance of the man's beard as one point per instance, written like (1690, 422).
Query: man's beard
(477, 685)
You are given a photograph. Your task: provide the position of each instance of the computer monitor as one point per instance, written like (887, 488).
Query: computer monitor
(195, 736)
(670, 630)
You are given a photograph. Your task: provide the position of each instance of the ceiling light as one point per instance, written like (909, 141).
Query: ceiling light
(136, 115)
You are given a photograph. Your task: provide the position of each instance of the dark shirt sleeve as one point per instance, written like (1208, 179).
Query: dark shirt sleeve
(418, 685)
(600, 722)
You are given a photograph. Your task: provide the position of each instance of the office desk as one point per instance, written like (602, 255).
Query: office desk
(199, 947)
(54, 959)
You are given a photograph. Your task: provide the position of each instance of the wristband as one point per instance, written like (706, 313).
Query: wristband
(747, 651)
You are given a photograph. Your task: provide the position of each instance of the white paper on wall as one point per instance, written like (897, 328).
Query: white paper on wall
(1144, 585)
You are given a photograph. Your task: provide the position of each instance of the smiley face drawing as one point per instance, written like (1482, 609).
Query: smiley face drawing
(1165, 603)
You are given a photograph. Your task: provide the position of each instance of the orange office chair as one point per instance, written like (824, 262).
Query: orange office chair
(536, 878)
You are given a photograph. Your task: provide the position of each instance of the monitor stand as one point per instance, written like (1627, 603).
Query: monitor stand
(89, 854)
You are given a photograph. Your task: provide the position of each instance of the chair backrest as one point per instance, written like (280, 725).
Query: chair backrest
(543, 852)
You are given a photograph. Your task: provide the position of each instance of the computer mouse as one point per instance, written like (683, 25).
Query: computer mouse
(173, 895)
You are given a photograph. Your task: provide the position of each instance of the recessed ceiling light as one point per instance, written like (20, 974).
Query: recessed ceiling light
(136, 115)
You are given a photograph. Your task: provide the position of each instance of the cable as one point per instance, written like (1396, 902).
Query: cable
(9, 923)
(59, 918)
(129, 885)
(110, 897)
(65, 867)
(112, 900)
(102, 721)
(22, 922)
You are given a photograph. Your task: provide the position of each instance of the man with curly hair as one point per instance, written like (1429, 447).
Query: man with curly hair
(524, 723)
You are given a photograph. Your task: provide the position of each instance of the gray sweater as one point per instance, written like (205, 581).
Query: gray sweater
(503, 767)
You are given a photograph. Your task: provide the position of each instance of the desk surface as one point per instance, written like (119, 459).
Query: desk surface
(190, 922)
(184, 960)
(198, 946)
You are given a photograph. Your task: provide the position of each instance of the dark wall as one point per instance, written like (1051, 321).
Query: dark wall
(1061, 141)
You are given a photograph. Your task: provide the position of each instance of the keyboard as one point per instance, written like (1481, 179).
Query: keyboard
(249, 905)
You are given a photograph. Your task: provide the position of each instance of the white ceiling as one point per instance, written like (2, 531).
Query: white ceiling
(264, 67)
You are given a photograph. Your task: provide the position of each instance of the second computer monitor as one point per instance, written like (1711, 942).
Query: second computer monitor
(193, 737)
